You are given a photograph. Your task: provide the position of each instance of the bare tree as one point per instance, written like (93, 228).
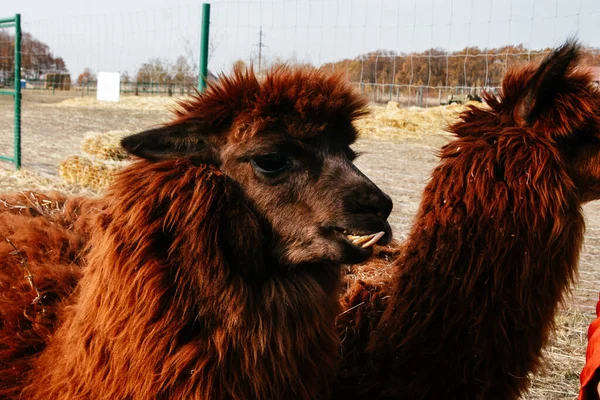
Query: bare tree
(192, 53)
(155, 71)
(86, 76)
(182, 73)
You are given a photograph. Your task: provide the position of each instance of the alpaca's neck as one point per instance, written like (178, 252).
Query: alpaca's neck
(494, 229)
(494, 247)
(233, 339)
(164, 312)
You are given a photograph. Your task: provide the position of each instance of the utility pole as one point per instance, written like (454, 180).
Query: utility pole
(260, 46)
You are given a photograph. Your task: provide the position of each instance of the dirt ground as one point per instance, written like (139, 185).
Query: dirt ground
(399, 165)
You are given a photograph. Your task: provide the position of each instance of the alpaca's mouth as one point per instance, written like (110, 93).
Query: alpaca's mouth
(360, 239)
(365, 241)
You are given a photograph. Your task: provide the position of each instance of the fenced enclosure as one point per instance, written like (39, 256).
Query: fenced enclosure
(413, 52)
(417, 53)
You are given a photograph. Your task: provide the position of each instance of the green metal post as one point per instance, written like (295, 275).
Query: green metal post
(17, 150)
(16, 93)
(204, 47)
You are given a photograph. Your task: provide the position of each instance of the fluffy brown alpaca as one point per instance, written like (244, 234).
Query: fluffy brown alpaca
(493, 249)
(214, 270)
(47, 234)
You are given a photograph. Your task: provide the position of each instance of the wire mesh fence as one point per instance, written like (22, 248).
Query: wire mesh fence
(155, 52)
(13, 47)
(414, 52)
(7, 56)
(7, 76)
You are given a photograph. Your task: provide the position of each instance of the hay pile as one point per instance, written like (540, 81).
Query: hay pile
(393, 121)
(12, 181)
(88, 172)
(105, 146)
(426, 126)
(104, 156)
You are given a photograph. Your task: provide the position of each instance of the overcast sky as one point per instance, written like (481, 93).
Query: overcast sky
(119, 35)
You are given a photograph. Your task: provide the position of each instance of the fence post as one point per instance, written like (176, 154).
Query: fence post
(16, 92)
(17, 144)
(204, 47)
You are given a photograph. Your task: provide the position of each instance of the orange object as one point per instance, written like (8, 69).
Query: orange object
(590, 375)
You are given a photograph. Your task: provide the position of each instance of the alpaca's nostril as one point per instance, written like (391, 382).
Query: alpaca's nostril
(378, 203)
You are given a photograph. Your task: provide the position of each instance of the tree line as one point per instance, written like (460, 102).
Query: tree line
(36, 58)
(433, 68)
(469, 67)
(155, 71)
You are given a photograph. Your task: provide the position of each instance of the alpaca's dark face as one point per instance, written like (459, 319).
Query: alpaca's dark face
(315, 203)
(286, 142)
(314, 199)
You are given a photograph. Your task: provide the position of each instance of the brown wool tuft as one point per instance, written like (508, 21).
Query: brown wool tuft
(305, 101)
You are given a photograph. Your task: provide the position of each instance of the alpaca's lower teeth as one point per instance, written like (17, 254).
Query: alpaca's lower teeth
(366, 240)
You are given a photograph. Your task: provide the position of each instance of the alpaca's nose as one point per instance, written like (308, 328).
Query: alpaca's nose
(368, 197)
(377, 203)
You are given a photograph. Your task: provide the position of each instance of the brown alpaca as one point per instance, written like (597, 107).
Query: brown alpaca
(47, 235)
(214, 270)
(493, 249)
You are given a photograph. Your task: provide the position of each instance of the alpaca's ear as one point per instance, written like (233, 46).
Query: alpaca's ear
(549, 80)
(168, 142)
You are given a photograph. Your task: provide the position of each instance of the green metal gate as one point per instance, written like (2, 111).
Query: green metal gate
(16, 92)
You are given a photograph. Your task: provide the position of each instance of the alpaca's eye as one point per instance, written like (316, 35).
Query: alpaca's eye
(270, 164)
